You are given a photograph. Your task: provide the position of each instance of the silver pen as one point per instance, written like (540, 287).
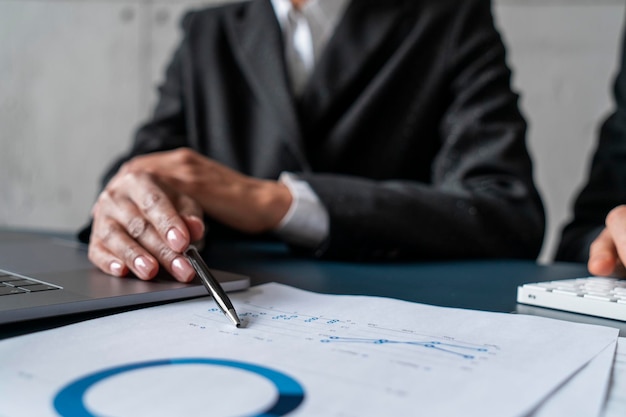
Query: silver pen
(212, 284)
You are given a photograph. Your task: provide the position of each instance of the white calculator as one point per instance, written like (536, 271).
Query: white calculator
(595, 296)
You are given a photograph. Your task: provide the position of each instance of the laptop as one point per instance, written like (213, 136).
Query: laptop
(46, 276)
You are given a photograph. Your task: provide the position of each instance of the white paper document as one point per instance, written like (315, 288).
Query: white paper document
(585, 394)
(616, 403)
(299, 354)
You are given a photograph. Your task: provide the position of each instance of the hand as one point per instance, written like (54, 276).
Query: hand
(607, 254)
(245, 203)
(139, 224)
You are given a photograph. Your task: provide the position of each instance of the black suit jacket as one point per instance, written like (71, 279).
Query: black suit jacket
(606, 185)
(407, 130)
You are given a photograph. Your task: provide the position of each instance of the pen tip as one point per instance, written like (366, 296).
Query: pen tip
(232, 315)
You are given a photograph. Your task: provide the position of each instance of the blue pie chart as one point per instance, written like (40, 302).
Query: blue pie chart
(69, 401)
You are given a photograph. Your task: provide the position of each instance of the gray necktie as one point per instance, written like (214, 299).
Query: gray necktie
(296, 65)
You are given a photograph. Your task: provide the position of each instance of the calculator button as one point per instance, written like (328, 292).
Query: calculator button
(599, 297)
(573, 293)
(536, 287)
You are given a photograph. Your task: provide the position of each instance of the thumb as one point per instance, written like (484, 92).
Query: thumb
(192, 214)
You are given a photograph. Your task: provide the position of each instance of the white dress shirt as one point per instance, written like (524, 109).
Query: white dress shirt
(305, 32)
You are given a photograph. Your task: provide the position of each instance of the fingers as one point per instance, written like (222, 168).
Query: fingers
(607, 254)
(115, 252)
(602, 255)
(616, 223)
(136, 227)
(156, 208)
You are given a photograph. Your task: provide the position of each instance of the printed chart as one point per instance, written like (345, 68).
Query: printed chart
(359, 339)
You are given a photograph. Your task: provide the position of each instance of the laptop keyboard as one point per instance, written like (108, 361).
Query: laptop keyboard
(11, 284)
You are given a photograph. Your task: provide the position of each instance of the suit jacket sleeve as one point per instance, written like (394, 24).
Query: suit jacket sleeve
(606, 185)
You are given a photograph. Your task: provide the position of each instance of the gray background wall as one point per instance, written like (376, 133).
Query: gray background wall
(76, 77)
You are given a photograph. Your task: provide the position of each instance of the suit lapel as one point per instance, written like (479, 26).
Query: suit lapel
(355, 44)
(257, 43)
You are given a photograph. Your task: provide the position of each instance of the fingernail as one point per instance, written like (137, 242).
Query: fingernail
(143, 266)
(176, 240)
(182, 269)
(116, 268)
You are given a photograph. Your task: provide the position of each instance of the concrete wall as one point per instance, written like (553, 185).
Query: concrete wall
(76, 76)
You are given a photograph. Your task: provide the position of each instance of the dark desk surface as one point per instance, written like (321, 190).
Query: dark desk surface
(479, 284)
(489, 285)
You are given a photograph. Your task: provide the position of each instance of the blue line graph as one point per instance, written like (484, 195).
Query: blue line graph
(459, 349)
(431, 344)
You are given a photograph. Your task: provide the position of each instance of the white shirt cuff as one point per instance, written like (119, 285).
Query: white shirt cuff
(306, 222)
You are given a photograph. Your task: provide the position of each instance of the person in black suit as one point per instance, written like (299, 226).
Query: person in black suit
(597, 233)
(402, 140)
